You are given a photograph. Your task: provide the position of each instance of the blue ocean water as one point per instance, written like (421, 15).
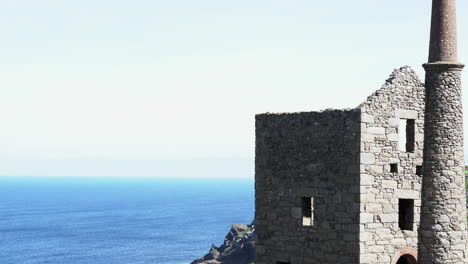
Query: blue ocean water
(117, 220)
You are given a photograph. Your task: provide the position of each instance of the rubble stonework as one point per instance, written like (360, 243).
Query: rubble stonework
(382, 183)
(313, 154)
(443, 216)
(443, 224)
(342, 159)
(400, 99)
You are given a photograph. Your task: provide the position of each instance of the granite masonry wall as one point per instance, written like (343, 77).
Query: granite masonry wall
(443, 227)
(352, 164)
(399, 102)
(313, 155)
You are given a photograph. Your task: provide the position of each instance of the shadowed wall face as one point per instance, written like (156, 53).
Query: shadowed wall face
(307, 187)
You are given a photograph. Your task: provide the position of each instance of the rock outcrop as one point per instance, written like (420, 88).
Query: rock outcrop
(238, 248)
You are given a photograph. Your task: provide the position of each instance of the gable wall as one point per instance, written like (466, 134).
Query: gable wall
(401, 97)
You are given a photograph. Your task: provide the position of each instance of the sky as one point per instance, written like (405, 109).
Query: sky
(171, 88)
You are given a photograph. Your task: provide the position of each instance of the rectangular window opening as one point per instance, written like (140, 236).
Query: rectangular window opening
(406, 214)
(410, 131)
(394, 168)
(407, 132)
(307, 211)
(419, 170)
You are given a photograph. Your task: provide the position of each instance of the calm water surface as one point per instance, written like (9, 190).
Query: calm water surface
(117, 220)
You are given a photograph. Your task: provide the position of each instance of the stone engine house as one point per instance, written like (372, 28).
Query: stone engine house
(380, 183)
(342, 186)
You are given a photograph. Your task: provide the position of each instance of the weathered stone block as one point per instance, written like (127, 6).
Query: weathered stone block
(389, 184)
(367, 218)
(376, 130)
(406, 114)
(367, 179)
(296, 212)
(394, 122)
(393, 137)
(367, 158)
(366, 118)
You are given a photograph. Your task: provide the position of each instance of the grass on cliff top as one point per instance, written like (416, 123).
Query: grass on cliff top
(248, 230)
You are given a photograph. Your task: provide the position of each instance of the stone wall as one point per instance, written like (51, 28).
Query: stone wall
(401, 98)
(312, 154)
(359, 176)
(443, 227)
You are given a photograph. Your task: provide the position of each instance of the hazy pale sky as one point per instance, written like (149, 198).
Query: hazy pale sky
(170, 88)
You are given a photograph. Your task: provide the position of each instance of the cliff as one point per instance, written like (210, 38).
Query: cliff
(238, 248)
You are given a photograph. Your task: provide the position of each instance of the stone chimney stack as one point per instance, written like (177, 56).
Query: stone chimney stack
(443, 44)
(442, 231)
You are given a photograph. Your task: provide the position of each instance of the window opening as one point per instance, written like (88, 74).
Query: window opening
(307, 211)
(407, 134)
(406, 214)
(419, 170)
(394, 168)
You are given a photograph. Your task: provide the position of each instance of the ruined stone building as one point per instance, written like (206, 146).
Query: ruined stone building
(380, 183)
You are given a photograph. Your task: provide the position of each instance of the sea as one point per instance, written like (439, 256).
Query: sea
(106, 220)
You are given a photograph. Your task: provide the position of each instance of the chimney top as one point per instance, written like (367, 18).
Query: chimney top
(443, 44)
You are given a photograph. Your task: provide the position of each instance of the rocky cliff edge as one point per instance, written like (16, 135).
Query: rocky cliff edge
(238, 248)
